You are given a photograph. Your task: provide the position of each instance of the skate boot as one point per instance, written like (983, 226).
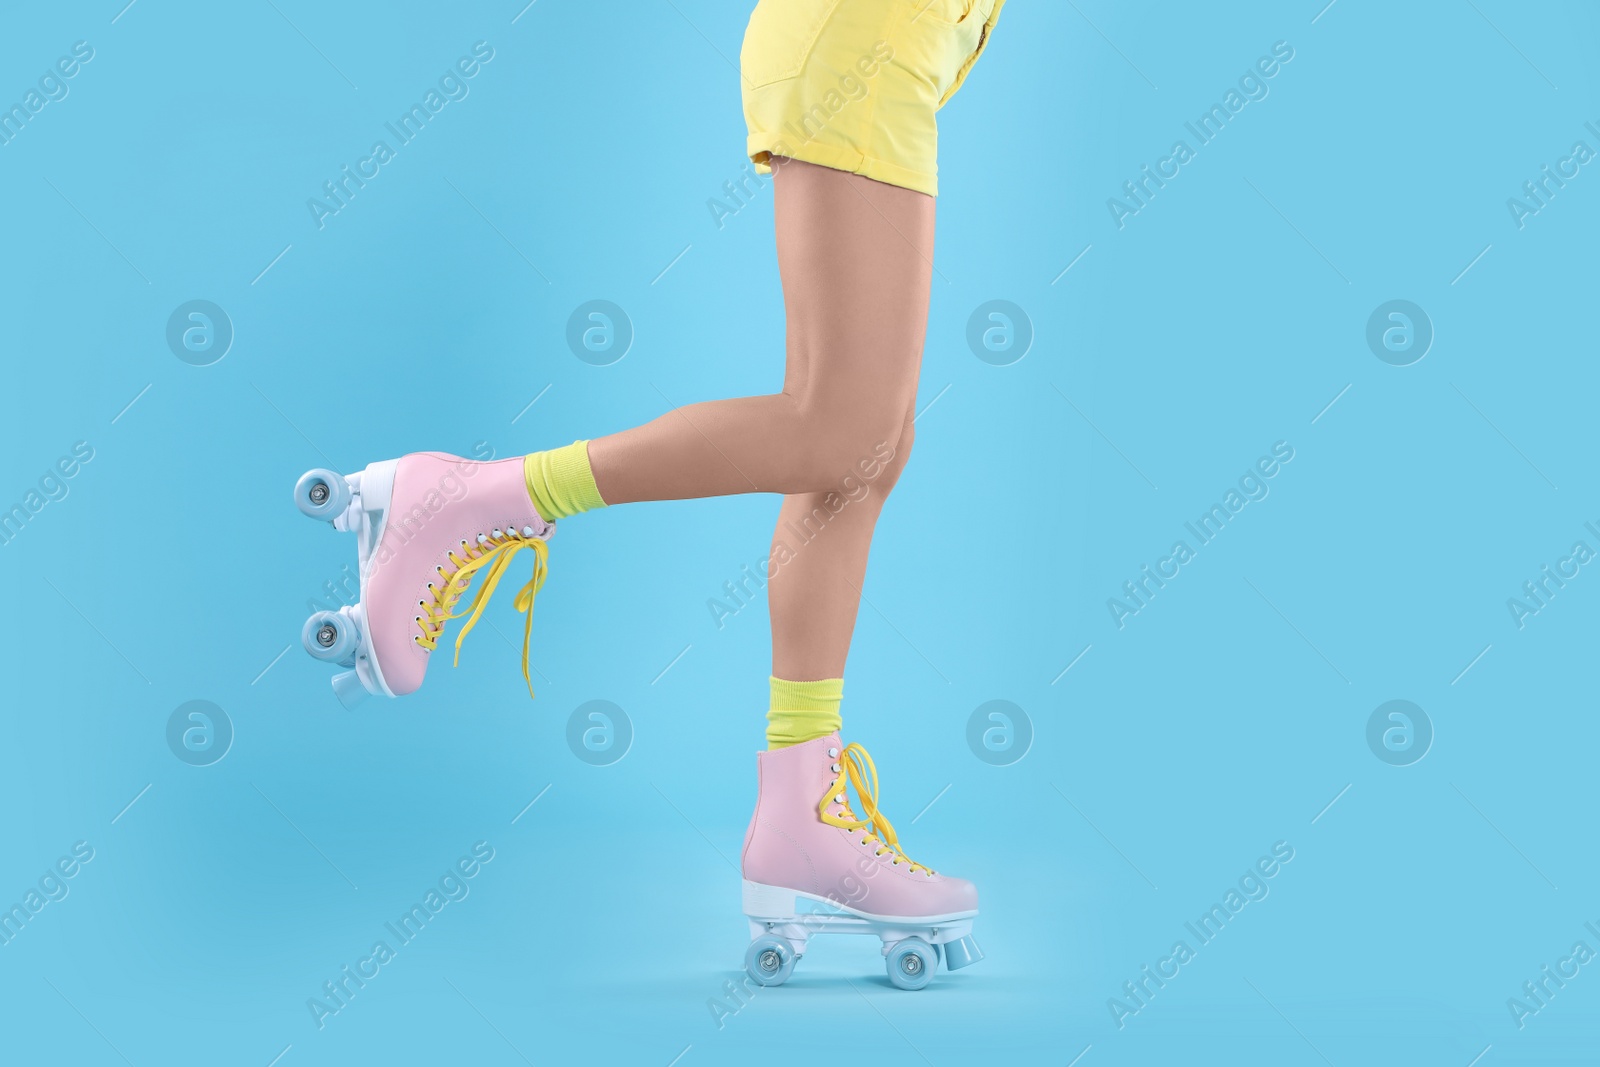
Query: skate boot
(811, 866)
(426, 525)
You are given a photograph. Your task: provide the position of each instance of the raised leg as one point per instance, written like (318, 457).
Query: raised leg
(855, 256)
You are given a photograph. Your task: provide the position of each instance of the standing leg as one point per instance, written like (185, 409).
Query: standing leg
(822, 541)
(856, 259)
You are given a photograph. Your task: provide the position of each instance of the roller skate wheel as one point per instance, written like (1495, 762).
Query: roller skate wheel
(329, 636)
(769, 960)
(911, 963)
(322, 494)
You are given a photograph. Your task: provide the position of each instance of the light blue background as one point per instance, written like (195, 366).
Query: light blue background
(1224, 317)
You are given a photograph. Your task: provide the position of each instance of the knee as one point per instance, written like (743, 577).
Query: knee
(899, 454)
(876, 467)
(865, 447)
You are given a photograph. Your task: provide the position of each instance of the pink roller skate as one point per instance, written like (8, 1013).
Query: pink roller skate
(811, 867)
(425, 525)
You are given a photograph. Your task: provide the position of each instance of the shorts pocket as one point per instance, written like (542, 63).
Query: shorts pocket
(949, 12)
(779, 39)
(968, 13)
(961, 28)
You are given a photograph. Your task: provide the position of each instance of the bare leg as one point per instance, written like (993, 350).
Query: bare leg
(855, 256)
(814, 593)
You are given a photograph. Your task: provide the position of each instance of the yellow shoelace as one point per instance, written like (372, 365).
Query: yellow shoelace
(857, 766)
(495, 553)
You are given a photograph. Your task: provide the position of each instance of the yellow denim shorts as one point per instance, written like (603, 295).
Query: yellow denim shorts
(854, 84)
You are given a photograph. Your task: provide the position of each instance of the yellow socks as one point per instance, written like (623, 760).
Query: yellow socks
(560, 481)
(803, 711)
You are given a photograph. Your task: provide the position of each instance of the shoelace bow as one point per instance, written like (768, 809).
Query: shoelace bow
(494, 553)
(856, 765)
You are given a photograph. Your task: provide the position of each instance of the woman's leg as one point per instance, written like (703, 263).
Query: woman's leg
(855, 256)
(819, 554)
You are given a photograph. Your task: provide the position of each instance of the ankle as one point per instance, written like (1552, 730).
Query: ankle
(560, 481)
(803, 711)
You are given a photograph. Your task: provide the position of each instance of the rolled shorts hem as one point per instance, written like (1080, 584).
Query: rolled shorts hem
(833, 157)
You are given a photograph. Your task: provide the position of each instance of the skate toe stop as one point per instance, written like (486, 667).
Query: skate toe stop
(348, 688)
(960, 953)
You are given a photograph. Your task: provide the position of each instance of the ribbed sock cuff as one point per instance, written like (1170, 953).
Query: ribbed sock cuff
(560, 482)
(803, 711)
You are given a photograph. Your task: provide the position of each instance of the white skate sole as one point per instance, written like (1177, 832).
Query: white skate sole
(783, 920)
(358, 504)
